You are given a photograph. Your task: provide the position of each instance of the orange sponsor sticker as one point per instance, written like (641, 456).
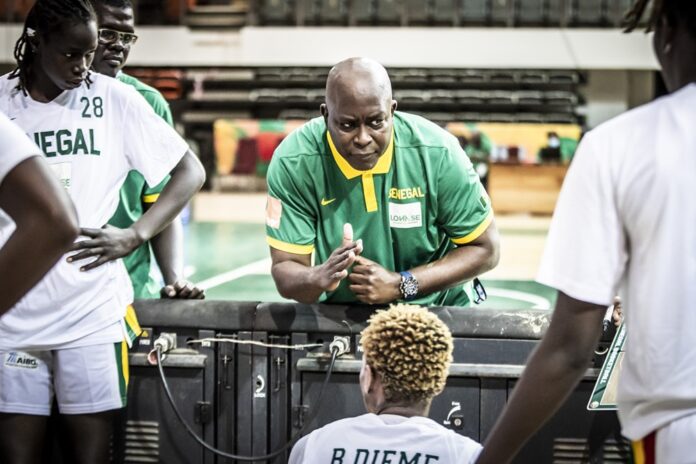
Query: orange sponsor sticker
(274, 209)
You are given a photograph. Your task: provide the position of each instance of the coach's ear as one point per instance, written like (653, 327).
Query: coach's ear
(324, 111)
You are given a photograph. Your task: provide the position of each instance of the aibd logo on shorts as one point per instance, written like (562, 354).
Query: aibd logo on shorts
(15, 359)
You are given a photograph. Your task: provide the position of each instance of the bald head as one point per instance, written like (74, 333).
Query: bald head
(359, 111)
(360, 77)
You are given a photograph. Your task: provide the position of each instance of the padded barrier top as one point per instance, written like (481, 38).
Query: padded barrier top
(334, 319)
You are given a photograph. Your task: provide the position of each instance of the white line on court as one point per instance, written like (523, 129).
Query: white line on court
(262, 266)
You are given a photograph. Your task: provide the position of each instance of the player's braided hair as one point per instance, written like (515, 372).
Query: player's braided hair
(410, 349)
(44, 18)
(683, 10)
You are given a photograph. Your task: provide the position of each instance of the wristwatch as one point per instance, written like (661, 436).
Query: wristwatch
(408, 286)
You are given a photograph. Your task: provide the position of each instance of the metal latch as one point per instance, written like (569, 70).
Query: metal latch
(203, 412)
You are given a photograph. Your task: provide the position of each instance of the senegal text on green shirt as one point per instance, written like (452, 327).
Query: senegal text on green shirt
(421, 198)
(134, 193)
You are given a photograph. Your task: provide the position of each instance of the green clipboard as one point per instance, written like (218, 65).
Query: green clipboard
(603, 396)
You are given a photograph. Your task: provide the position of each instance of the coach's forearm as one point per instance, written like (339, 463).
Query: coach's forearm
(296, 281)
(460, 264)
(186, 179)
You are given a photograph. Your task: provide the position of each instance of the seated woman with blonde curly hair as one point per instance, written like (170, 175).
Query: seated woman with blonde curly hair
(407, 354)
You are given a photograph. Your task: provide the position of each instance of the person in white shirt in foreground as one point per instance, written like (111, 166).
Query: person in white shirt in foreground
(625, 223)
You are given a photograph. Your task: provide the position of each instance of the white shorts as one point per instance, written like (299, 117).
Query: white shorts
(84, 380)
(672, 444)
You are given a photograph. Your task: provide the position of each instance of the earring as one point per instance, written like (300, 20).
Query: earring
(667, 48)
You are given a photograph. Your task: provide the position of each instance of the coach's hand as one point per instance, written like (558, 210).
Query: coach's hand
(329, 274)
(373, 284)
(182, 289)
(107, 244)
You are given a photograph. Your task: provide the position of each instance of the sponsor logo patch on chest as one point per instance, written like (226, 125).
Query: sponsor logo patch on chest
(405, 215)
(23, 360)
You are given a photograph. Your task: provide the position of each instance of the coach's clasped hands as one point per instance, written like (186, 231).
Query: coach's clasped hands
(371, 283)
(330, 274)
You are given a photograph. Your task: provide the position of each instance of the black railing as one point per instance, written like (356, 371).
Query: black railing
(233, 14)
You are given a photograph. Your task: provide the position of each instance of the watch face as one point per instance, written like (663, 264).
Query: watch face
(409, 287)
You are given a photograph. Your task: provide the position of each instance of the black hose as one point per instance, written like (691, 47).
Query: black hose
(334, 355)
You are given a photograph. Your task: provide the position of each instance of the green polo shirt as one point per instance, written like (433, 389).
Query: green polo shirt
(420, 200)
(134, 195)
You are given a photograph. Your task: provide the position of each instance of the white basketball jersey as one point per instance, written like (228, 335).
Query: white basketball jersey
(15, 147)
(374, 438)
(91, 137)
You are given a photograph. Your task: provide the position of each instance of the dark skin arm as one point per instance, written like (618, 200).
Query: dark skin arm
(110, 243)
(373, 284)
(167, 246)
(46, 227)
(297, 279)
(552, 372)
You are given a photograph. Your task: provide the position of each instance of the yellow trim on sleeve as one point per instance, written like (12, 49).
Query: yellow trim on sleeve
(151, 198)
(289, 247)
(476, 233)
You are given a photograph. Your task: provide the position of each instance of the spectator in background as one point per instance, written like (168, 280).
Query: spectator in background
(558, 149)
(116, 37)
(45, 223)
(388, 201)
(626, 220)
(407, 352)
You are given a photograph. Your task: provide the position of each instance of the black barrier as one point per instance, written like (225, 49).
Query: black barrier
(250, 399)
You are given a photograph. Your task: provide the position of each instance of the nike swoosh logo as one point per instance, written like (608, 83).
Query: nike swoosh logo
(12, 119)
(325, 202)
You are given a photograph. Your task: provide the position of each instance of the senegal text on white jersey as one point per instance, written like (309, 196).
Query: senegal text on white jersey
(91, 137)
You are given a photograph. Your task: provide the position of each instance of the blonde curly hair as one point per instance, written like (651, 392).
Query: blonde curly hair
(410, 349)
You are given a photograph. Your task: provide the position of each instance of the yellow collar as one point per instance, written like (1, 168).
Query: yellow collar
(382, 166)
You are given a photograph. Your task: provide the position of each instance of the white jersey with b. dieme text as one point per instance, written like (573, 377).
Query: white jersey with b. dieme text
(91, 137)
(625, 223)
(372, 438)
(15, 147)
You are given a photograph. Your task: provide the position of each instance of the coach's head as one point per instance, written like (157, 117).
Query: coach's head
(358, 111)
(407, 354)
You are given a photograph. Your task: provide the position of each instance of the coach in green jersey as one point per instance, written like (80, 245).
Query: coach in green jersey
(116, 36)
(387, 202)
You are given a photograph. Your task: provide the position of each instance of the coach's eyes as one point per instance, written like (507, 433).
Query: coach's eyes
(377, 123)
(347, 125)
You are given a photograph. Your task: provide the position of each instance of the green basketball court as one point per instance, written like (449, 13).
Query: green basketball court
(232, 262)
